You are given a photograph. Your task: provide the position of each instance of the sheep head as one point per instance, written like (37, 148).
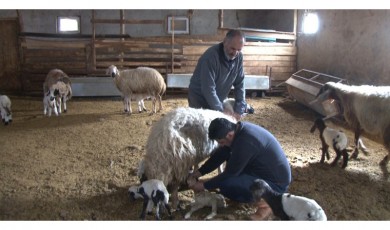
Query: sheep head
(259, 188)
(133, 193)
(112, 71)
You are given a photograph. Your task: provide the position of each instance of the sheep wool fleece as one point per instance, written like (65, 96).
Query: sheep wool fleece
(254, 153)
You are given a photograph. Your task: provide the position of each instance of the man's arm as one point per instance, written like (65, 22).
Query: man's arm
(208, 76)
(239, 90)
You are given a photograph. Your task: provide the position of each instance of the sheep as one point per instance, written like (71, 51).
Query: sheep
(287, 206)
(331, 137)
(49, 104)
(59, 85)
(207, 199)
(228, 105)
(366, 108)
(5, 108)
(154, 193)
(176, 143)
(143, 81)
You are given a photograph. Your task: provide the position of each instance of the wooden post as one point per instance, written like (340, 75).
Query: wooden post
(220, 19)
(173, 44)
(122, 32)
(93, 42)
(295, 26)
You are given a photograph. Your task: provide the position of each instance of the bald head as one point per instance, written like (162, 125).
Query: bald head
(233, 43)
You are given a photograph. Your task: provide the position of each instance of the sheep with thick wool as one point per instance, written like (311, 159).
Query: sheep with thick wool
(59, 86)
(154, 193)
(331, 137)
(287, 206)
(143, 81)
(176, 143)
(5, 109)
(366, 108)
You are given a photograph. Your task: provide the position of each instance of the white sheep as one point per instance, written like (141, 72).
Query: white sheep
(331, 137)
(366, 108)
(154, 193)
(58, 84)
(176, 143)
(142, 81)
(287, 206)
(5, 108)
(228, 105)
(207, 199)
(49, 104)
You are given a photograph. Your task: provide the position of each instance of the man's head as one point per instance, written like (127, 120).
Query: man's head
(233, 43)
(222, 130)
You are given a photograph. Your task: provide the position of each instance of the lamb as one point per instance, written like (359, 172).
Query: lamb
(176, 143)
(154, 193)
(143, 81)
(287, 206)
(228, 105)
(49, 104)
(331, 137)
(5, 109)
(58, 84)
(207, 199)
(366, 108)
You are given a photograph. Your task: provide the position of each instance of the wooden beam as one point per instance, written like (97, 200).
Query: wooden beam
(127, 21)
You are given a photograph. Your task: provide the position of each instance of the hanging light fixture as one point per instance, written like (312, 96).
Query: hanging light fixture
(310, 22)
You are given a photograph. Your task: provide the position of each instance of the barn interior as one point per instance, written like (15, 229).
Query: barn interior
(79, 165)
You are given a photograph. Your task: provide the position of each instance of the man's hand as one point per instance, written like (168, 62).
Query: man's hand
(234, 115)
(193, 178)
(198, 187)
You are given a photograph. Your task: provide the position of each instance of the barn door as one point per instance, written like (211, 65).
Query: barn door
(9, 56)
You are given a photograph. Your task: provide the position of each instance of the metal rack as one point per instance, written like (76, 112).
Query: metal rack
(304, 86)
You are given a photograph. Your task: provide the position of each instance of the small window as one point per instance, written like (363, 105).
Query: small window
(68, 25)
(178, 25)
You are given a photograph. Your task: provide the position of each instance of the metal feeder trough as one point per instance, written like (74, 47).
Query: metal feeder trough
(304, 86)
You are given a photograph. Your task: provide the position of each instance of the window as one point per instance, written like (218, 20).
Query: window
(68, 25)
(178, 25)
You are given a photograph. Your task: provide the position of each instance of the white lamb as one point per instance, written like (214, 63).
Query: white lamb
(331, 137)
(154, 193)
(142, 81)
(49, 104)
(287, 206)
(176, 143)
(207, 199)
(5, 108)
(58, 84)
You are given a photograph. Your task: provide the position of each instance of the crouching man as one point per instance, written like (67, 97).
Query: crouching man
(250, 152)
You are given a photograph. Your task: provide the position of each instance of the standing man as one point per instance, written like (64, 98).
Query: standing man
(218, 69)
(250, 152)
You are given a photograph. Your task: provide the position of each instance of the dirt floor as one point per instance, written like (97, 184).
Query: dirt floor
(79, 165)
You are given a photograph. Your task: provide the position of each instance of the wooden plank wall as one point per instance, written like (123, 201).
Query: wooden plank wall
(82, 57)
